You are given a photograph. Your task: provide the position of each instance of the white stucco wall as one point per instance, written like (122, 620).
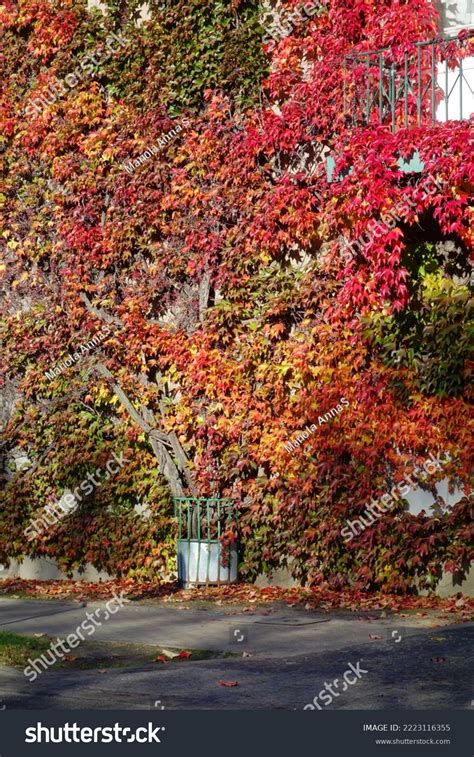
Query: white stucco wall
(145, 13)
(420, 499)
(456, 16)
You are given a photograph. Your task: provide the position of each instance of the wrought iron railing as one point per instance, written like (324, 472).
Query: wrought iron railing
(203, 518)
(202, 522)
(428, 83)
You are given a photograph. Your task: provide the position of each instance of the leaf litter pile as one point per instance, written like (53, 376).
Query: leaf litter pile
(320, 598)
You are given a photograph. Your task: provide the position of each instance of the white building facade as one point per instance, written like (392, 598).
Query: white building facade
(456, 16)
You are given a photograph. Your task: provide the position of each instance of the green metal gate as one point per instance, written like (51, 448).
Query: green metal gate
(201, 524)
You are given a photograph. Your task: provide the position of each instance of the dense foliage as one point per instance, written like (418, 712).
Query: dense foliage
(235, 320)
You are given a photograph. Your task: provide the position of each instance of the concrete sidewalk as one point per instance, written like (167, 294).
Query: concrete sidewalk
(273, 631)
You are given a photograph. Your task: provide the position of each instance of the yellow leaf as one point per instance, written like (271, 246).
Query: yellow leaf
(102, 393)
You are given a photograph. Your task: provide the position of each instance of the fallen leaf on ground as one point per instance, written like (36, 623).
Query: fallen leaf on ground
(169, 654)
(184, 655)
(70, 657)
(322, 597)
(161, 658)
(374, 636)
(228, 683)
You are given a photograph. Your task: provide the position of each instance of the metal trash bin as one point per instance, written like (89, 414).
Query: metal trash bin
(200, 555)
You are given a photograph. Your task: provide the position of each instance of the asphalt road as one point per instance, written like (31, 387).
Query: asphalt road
(290, 655)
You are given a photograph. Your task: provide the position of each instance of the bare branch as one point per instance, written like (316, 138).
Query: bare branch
(100, 314)
(134, 414)
(158, 440)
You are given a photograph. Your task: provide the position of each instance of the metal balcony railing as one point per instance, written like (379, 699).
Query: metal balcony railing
(431, 82)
